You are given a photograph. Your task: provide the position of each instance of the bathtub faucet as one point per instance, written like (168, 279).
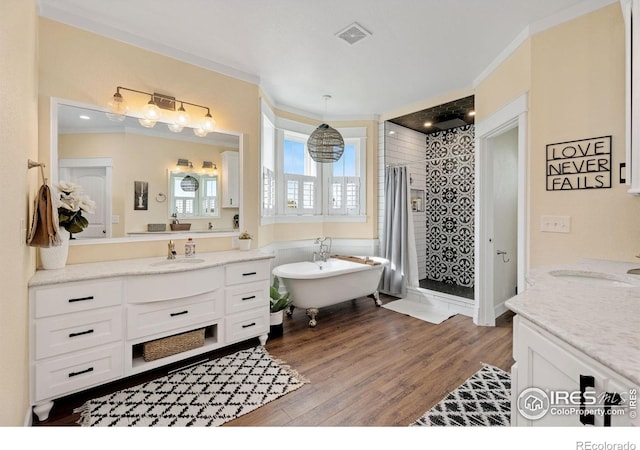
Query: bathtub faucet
(324, 251)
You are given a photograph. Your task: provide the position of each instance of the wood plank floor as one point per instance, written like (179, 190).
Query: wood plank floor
(367, 366)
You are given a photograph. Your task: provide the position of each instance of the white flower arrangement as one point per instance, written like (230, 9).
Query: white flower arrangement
(71, 204)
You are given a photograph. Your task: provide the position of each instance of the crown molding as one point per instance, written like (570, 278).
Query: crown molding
(559, 18)
(92, 26)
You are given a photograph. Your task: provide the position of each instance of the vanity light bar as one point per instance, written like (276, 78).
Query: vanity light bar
(119, 107)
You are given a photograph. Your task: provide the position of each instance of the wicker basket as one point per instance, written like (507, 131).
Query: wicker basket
(156, 227)
(171, 345)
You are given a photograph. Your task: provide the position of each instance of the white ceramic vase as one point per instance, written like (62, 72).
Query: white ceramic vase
(56, 257)
(244, 244)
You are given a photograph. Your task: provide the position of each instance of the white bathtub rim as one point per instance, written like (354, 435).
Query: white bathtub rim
(292, 270)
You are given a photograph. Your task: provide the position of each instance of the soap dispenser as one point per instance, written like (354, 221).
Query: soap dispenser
(190, 248)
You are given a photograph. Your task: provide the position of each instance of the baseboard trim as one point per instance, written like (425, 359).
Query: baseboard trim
(28, 418)
(445, 302)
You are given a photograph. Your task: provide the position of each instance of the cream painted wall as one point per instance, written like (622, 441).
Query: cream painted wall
(574, 74)
(84, 67)
(577, 91)
(508, 81)
(18, 133)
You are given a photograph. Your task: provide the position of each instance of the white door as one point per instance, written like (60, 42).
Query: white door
(489, 236)
(94, 175)
(504, 152)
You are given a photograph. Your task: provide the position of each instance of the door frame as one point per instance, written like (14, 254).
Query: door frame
(102, 163)
(512, 115)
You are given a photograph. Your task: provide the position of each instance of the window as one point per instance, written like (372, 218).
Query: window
(296, 188)
(301, 183)
(201, 202)
(268, 139)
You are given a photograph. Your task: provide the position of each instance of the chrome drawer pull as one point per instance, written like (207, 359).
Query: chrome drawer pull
(75, 374)
(80, 299)
(252, 324)
(248, 298)
(249, 273)
(80, 333)
(179, 313)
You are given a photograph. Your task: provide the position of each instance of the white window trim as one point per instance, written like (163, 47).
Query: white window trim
(323, 185)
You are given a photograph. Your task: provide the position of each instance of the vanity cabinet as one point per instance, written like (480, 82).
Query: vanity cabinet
(546, 362)
(76, 338)
(230, 182)
(87, 333)
(631, 14)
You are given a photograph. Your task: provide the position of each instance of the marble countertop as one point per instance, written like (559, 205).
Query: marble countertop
(598, 316)
(142, 266)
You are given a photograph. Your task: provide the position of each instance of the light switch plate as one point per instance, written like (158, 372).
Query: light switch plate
(555, 224)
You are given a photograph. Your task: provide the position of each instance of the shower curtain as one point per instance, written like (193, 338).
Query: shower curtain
(398, 239)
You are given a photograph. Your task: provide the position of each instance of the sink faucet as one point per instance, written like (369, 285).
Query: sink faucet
(324, 251)
(171, 252)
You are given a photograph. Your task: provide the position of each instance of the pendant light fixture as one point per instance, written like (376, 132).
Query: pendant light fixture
(325, 144)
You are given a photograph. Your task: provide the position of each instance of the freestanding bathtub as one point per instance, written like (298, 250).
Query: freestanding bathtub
(313, 285)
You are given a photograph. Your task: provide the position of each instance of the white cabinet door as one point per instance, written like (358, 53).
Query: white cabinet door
(230, 176)
(563, 378)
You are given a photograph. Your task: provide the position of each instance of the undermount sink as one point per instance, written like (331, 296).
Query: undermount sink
(169, 262)
(594, 278)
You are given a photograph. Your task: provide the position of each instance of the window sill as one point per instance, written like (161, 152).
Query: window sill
(311, 219)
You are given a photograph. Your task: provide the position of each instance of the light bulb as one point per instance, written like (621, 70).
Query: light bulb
(118, 108)
(199, 132)
(151, 111)
(175, 127)
(147, 123)
(183, 117)
(209, 123)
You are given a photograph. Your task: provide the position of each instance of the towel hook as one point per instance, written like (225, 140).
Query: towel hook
(33, 164)
(503, 254)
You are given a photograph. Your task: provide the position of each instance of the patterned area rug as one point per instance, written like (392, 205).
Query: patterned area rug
(208, 394)
(483, 400)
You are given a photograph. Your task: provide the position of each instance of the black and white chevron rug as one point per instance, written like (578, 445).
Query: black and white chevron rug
(483, 400)
(208, 394)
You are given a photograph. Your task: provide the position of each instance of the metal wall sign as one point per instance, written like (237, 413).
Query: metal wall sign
(580, 164)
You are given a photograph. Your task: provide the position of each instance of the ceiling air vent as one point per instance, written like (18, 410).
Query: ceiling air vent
(353, 33)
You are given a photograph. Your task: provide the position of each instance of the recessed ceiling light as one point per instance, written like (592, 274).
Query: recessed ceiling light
(427, 124)
(84, 117)
(472, 113)
(391, 132)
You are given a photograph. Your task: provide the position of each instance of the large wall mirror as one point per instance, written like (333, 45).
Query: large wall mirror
(148, 183)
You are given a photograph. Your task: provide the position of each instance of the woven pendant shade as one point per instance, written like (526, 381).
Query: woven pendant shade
(325, 144)
(189, 184)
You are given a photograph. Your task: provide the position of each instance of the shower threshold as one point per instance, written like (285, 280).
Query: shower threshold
(447, 288)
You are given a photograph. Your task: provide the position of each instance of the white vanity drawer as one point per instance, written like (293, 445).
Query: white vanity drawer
(77, 371)
(246, 296)
(247, 324)
(146, 319)
(240, 273)
(73, 297)
(168, 286)
(63, 334)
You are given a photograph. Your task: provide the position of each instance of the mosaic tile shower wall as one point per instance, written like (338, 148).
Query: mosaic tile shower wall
(450, 206)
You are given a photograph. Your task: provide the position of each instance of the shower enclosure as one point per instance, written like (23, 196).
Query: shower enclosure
(442, 189)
